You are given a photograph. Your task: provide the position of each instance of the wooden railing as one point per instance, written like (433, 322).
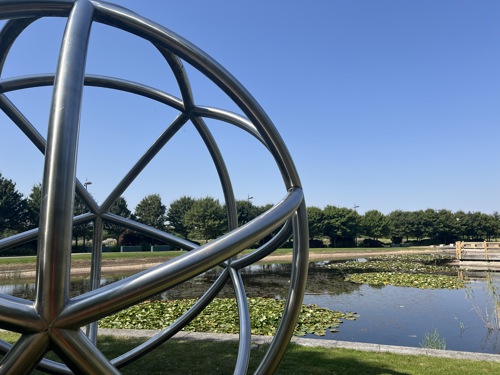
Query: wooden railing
(485, 251)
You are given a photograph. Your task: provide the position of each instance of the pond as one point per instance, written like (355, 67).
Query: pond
(389, 315)
(402, 316)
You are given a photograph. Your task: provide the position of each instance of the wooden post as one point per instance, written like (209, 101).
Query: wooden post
(458, 249)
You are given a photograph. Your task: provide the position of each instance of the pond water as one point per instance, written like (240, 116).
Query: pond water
(402, 316)
(388, 315)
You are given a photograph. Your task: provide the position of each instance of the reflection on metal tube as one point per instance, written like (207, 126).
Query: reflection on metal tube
(54, 320)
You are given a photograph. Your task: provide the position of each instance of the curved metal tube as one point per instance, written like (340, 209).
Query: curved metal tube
(281, 237)
(243, 358)
(18, 239)
(175, 327)
(163, 37)
(296, 292)
(58, 187)
(111, 298)
(150, 231)
(52, 306)
(143, 161)
(9, 33)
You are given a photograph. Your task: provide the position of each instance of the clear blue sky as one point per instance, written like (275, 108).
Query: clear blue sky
(383, 104)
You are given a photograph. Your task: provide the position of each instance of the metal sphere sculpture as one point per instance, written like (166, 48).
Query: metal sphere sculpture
(53, 321)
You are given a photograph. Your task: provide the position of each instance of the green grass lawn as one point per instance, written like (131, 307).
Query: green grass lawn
(172, 254)
(183, 357)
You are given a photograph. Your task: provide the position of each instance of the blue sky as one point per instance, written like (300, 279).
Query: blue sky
(383, 104)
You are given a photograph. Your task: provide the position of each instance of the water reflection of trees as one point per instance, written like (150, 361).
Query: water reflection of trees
(265, 280)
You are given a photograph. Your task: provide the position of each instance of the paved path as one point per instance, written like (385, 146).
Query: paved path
(259, 340)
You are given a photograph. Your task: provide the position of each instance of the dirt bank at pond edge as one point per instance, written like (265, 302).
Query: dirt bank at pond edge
(117, 266)
(319, 256)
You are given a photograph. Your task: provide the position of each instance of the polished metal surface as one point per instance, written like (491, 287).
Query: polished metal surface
(54, 321)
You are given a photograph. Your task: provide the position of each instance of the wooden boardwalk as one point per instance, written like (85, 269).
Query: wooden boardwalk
(478, 251)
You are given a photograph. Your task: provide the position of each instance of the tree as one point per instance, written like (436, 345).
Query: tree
(374, 224)
(246, 211)
(13, 207)
(495, 216)
(120, 208)
(480, 226)
(175, 215)
(34, 204)
(82, 230)
(461, 224)
(341, 225)
(151, 211)
(420, 224)
(315, 218)
(445, 226)
(206, 219)
(400, 225)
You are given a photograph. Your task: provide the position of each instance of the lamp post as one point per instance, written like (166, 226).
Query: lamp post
(87, 183)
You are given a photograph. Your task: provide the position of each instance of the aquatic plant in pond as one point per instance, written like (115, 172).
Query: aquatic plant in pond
(420, 263)
(490, 313)
(422, 281)
(221, 316)
(418, 271)
(433, 340)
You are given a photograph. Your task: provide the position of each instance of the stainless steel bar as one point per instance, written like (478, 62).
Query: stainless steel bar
(167, 39)
(298, 282)
(25, 354)
(52, 307)
(115, 83)
(178, 122)
(19, 315)
(56, 218)
(22, 123)
(220, 165)
(28, 9)
(150, 231)
(112, 298)
(30, 131)
(80, 354)
(176, 326)
(18, 239)
(245, 339)
(95, 271)
(181, 77)
(48, 365)
(230, 118)
(274, 243)
(8, 35)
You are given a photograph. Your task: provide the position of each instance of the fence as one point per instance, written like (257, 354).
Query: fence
(481, 251)
(129, 249)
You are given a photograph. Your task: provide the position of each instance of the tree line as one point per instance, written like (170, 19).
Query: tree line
(202, 219)
(344, 226)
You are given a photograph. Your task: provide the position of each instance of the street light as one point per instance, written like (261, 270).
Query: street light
(87, 183)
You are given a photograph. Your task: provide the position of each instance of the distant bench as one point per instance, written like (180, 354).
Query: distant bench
(482, 251)
(131, 249)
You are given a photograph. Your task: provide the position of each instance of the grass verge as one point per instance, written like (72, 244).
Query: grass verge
(171, 254)
(183, 357)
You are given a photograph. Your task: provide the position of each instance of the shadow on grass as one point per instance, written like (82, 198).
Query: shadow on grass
(299, 360)
(208, 357)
